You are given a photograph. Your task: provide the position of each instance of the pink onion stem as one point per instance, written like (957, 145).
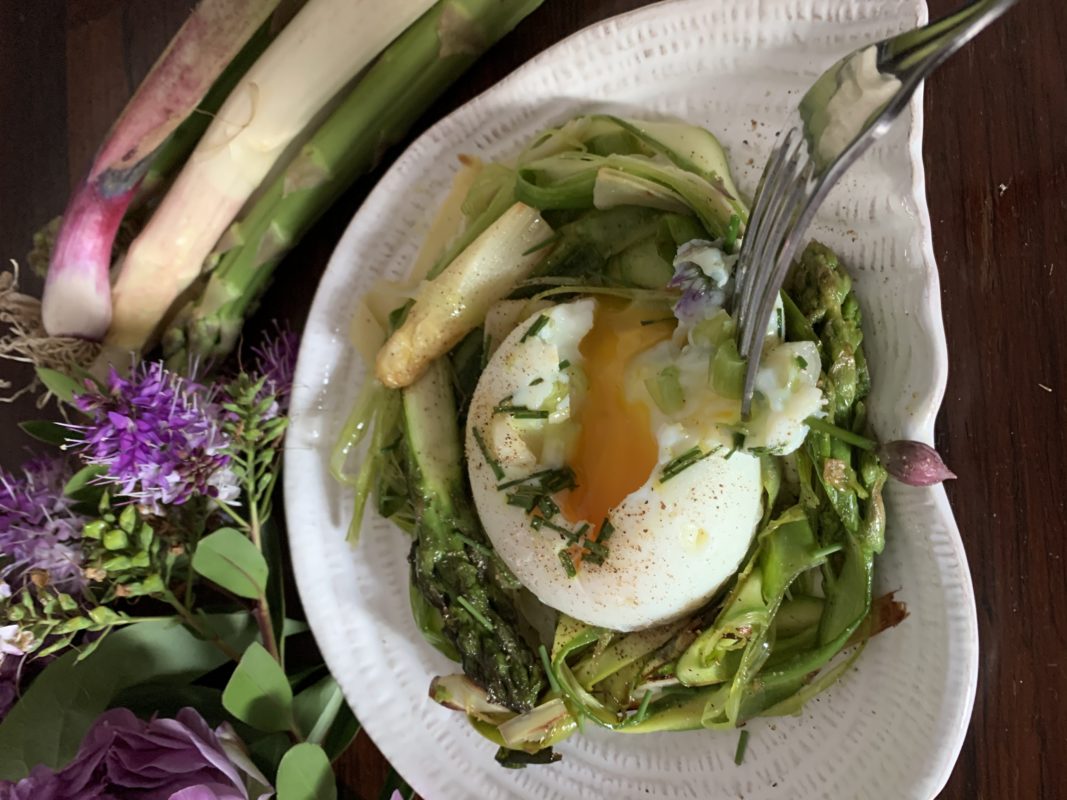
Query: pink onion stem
(77, 299)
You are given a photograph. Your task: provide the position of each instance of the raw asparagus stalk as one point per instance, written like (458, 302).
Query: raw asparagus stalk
(325, 45)
(410, 74)
(77, 299)
(455, 577)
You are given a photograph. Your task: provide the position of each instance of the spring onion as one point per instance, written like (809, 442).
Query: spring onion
(325, 45)
(77, 299)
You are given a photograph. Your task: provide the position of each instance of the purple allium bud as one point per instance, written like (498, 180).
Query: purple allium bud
(39, 529)
(123, 756)
(914, 463)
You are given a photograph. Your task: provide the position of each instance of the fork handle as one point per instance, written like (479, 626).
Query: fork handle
(913, 55)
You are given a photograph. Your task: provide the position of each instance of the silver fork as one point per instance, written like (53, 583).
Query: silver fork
(839, 119)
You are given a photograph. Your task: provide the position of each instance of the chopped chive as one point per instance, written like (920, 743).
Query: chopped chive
(526, 503)
(564, 363)
(521, 412)
(537, 381)
(547, 506)
(478, 615)
(683, 462)
(822, 426)
(547, 664)
(739, 442)
(642, 710)
(559, 480)
(568, 563)
(541, 522)
(543, 243)
(597, 552)
(658, 321)
(606, 529)
(494, 465)
(732, 231)
(780, 322)
(535, 328)
(802, 362)
(530, 477)
(582, 531)
(742, 745)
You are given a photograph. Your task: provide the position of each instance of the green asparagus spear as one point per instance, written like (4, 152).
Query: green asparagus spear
(427, 58)
(450, 562)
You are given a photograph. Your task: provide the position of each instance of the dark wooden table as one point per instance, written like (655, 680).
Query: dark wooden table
(996, 156)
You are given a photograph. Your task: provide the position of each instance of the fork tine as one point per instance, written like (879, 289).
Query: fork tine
(765, 282)
(782, 210)
(767, 190)
(753, 336)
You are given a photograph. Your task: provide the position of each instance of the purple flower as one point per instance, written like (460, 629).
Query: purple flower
(914, 463)
(159, 437)
(701, 272)
(124, 757)
(276, 361)
(38, 528)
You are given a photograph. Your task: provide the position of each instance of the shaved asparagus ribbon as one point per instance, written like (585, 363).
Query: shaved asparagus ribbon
(77, 298)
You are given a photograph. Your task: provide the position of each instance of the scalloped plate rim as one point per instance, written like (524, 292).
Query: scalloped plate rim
(923, 420)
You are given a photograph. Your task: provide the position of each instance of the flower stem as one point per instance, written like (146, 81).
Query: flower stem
(266, 628)
(237, 518)
(195, 624)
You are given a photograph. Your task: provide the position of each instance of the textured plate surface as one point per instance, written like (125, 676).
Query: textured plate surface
(894, 725)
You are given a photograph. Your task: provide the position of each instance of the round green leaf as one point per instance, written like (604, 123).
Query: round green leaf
(305, 774)
(227, 558)
(258, 692)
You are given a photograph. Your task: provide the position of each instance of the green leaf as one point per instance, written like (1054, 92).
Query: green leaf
(228, 559)
(258, 692)
(62, 386)
(167, 699)
(324, 718)
(82, 478)
(273, 549)
(267, 752)
(305, 774)
(48, 432)
(47, 724)
(342, 733)
(292, 627)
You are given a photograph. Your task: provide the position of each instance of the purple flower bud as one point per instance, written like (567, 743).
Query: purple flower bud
(276, 361)
(914, 463)
(39, 529)
(123, 756)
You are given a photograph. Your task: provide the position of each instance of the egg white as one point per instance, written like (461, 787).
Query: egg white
(675, 542)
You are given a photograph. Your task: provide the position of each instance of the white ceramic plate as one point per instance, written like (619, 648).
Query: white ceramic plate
(893, 726)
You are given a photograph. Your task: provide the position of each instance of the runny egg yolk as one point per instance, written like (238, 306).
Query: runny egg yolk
(616, 450)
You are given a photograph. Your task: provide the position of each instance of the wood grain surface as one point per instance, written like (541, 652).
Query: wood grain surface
(996, 156)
